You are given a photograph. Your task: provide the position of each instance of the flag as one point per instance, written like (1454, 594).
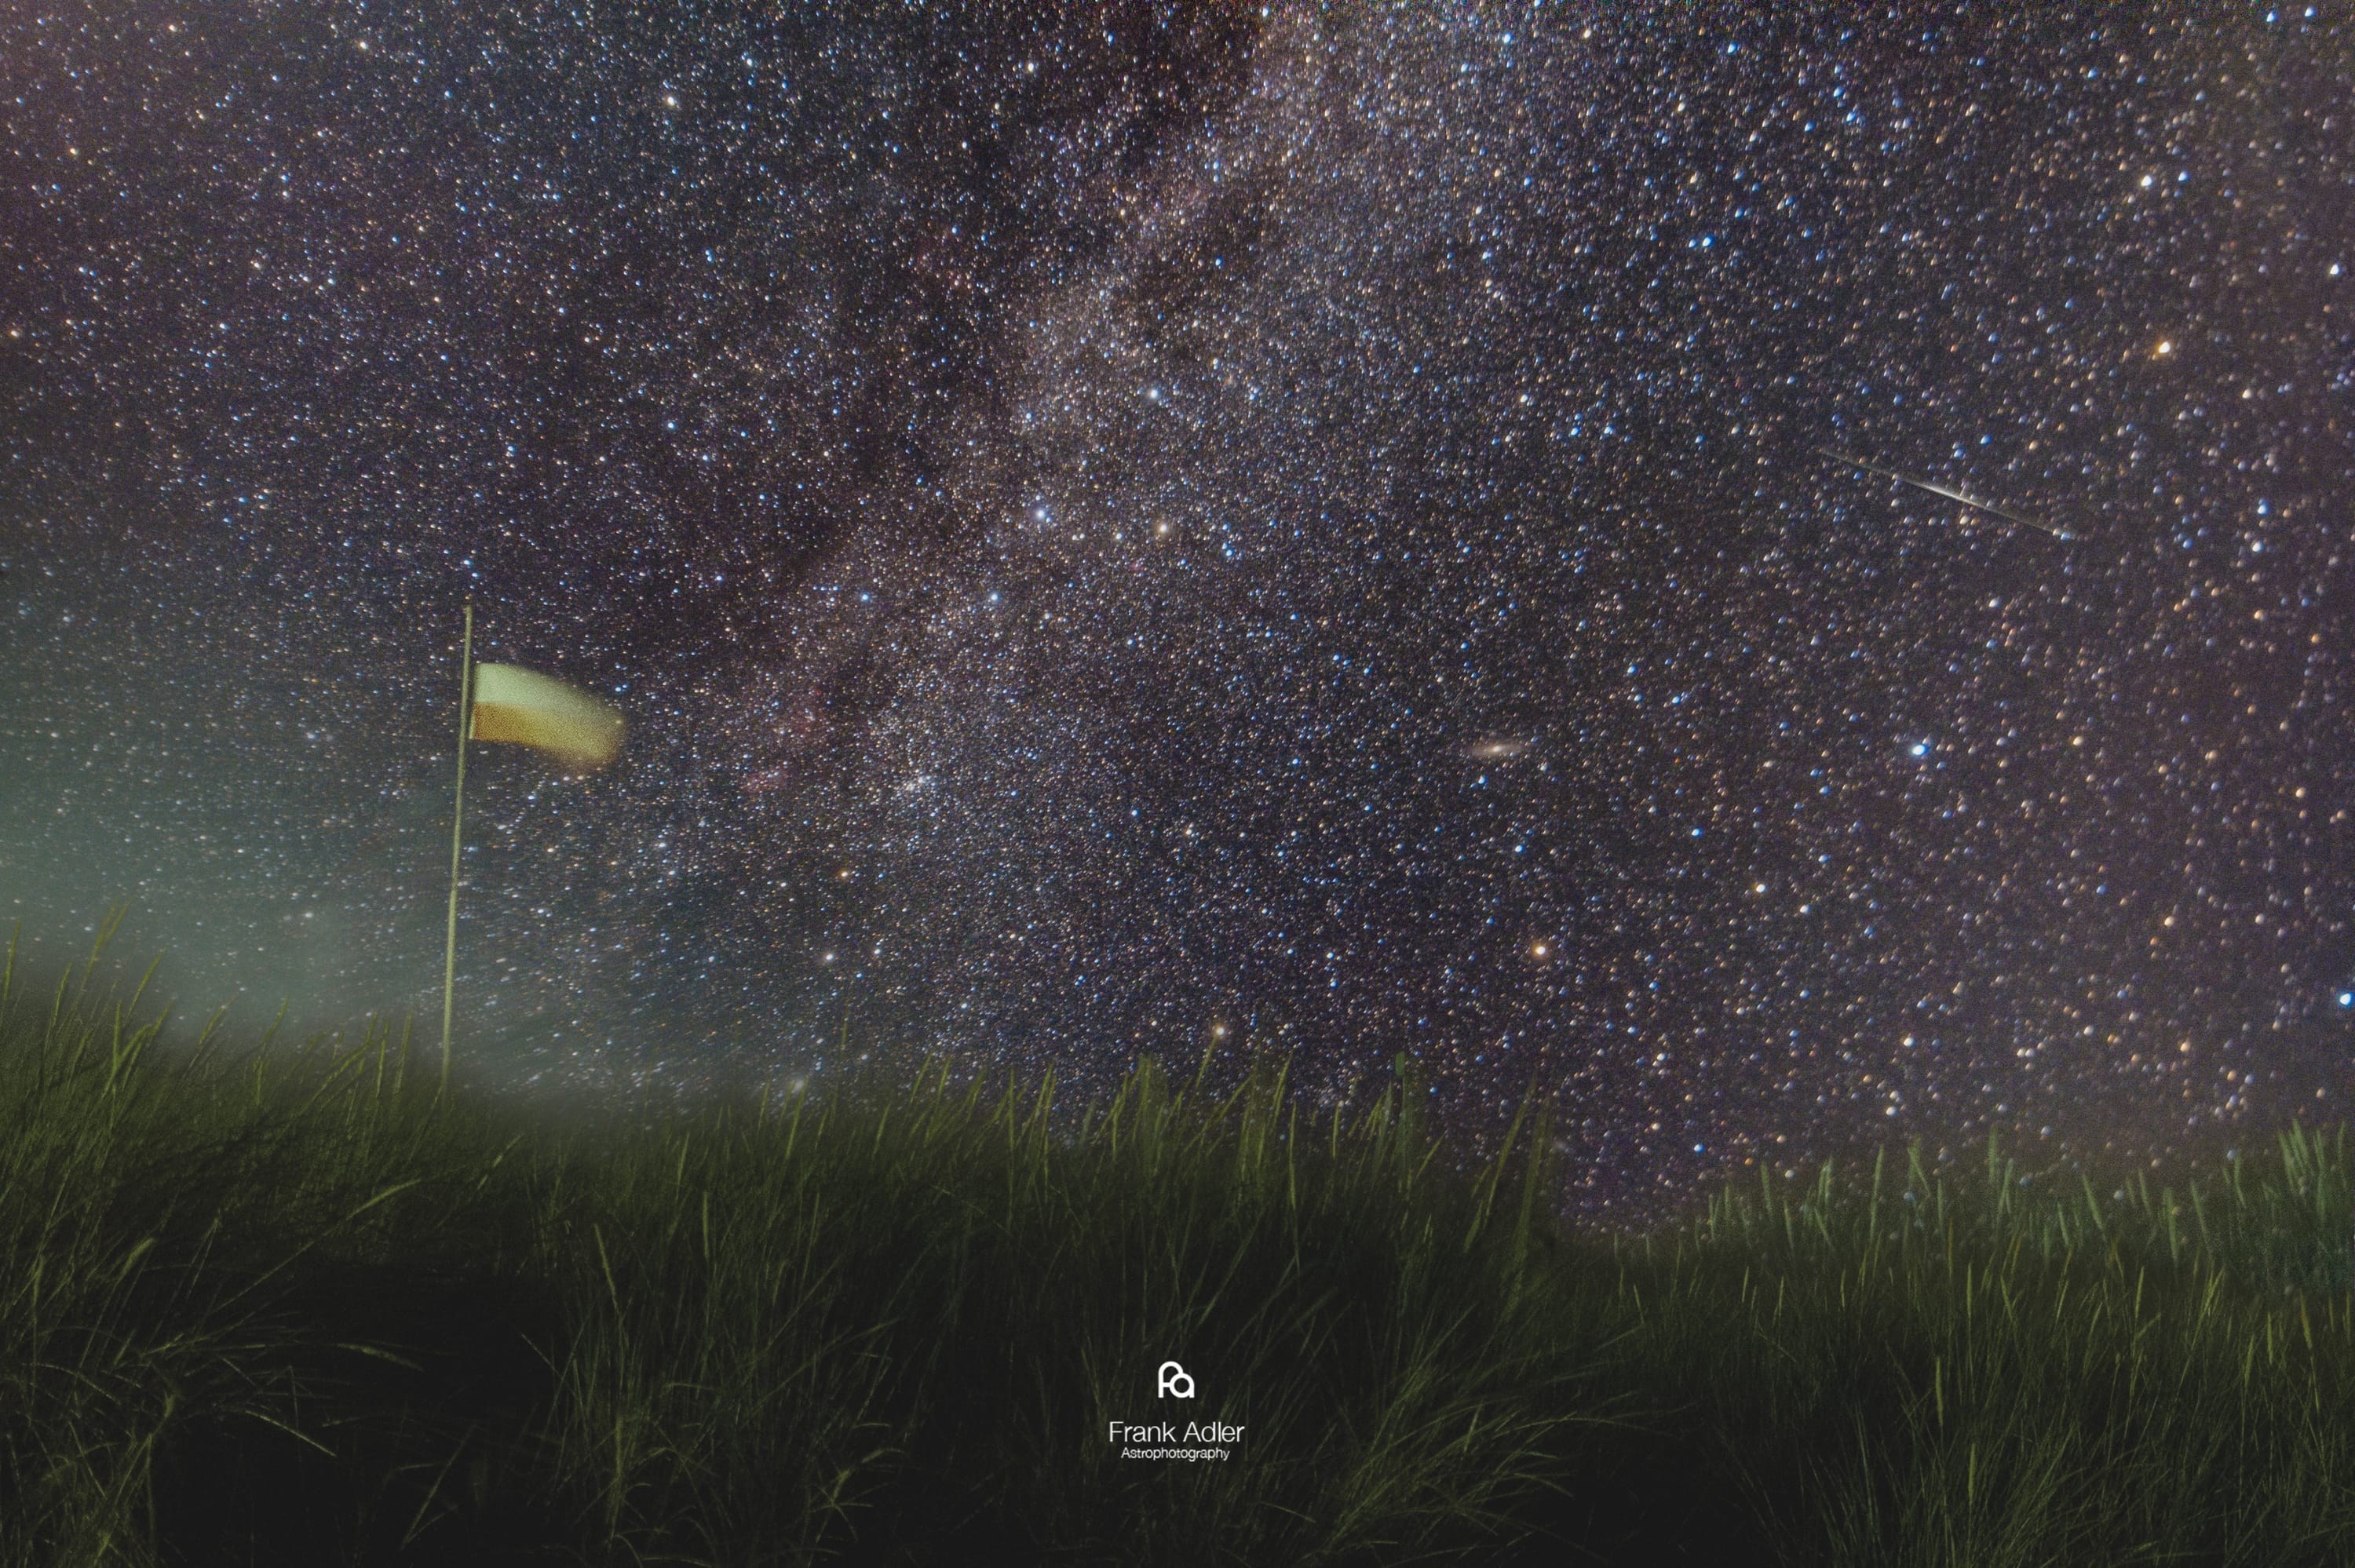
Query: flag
(582, 731)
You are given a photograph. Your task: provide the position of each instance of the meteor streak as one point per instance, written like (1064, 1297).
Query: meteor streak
(1937, 489)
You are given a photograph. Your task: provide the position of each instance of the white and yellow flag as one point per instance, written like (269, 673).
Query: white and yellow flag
(581, 731)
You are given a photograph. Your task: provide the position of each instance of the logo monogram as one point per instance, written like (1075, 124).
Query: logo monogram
(1177, 1383)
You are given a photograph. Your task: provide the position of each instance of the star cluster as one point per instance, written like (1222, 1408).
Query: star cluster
(1289, 531)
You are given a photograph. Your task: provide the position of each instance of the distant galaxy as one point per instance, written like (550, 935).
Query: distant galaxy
(1292, 532)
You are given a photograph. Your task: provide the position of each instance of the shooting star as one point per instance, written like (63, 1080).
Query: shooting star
(1973, 502)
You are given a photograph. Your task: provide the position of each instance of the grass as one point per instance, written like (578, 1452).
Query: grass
(295, 1305)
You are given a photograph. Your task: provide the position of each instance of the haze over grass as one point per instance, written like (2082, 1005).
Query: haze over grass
(271, 1306)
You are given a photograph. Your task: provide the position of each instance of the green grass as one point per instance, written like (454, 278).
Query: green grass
(297, 1306)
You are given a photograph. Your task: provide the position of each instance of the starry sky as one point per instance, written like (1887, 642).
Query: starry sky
(1287, 531)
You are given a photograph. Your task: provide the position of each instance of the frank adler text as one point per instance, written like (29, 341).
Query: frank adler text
(1166, 1432)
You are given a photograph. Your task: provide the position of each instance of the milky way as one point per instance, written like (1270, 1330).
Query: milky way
(1297, 533)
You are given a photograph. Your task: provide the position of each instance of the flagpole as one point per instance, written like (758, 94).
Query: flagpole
(457, 813)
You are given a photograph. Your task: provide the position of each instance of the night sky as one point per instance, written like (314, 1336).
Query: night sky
(1130, 529)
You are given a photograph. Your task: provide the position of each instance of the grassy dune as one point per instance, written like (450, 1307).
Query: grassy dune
(270, 1306)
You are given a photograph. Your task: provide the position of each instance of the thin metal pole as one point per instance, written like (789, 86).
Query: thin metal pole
(457, 815)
